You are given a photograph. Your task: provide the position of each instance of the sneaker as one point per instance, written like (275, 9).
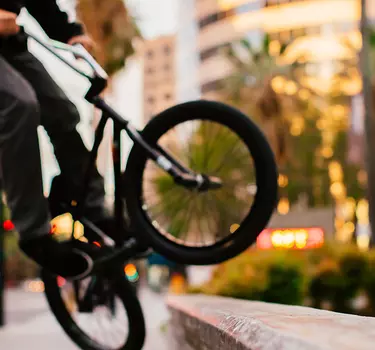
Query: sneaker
(60, 202)
(69, 260)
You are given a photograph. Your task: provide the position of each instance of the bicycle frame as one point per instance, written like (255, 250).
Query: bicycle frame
(180, 174)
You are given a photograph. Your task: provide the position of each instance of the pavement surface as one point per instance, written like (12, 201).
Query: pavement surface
(30, 325)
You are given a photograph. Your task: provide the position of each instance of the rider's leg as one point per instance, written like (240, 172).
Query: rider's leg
(60, 117)
(22, 177)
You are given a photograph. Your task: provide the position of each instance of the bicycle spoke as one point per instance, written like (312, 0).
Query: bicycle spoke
(191, 217)
(99, 324)
(187, 216)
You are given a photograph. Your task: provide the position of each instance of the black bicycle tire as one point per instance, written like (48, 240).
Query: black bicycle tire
(137, 328)
(266, 175)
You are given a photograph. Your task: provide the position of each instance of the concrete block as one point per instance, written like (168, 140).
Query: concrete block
(200, 322)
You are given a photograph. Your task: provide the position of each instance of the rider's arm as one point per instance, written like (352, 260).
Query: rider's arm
(54, 21)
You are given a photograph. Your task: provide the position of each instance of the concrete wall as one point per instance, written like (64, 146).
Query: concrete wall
(214, 323)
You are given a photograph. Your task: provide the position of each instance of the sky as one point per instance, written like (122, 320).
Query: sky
(155, 17)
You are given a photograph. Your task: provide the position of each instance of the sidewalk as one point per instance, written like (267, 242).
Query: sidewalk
(30, 325)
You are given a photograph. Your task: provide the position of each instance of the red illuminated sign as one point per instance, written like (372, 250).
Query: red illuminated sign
(8, 225)
(291, 238)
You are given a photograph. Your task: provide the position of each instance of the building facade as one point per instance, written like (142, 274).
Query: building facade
(159, 75)
(171, 64)
(312, 27)
(320, 34)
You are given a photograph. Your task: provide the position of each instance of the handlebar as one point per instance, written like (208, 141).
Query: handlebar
(77, 50)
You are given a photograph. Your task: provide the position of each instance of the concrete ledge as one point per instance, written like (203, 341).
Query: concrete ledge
(201, 322)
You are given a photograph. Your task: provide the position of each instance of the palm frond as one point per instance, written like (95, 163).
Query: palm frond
(247, 44)
(283, 48)
(266, 44)
(233, 58)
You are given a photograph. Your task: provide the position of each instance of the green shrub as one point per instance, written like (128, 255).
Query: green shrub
(285, 284)
(353, 268)
(337, 278)
(369, 281)
(333, 275)
(324, 285)
(259, 275)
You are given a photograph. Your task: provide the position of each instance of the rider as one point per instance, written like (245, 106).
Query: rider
(29, 97)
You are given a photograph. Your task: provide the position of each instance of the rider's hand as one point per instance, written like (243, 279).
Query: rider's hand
(8, 25)
(84, 40)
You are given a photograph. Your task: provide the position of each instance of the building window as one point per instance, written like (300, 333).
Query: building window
(285, 36)
(150, 70)
(271, 3)
(248, 7)
(167, 49)
(208, 20)
(274, 36)
(313, 30)
(213, 51)
(150, 100)
(279, 2)
(206, 54)
(243, 8)
(346, 27)
(296, 33)
(150, 54)
(167, 96)
(211, 86)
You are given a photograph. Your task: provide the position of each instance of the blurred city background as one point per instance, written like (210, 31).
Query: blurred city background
(294, 67)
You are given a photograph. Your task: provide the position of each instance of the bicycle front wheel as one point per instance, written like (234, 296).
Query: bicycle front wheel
(196, 227)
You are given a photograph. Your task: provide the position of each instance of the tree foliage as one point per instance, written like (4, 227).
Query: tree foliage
(112, 27)
(296, 119)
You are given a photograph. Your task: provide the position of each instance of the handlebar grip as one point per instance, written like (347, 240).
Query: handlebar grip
(80, 47)
(52, 46)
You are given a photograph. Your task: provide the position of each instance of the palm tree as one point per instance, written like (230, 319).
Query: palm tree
(272, 88)
(282, 98)
(263, 87)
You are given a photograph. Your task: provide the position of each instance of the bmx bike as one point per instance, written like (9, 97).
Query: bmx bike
(199, 186)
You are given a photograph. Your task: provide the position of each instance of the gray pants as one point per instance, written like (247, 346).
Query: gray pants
(29, 97)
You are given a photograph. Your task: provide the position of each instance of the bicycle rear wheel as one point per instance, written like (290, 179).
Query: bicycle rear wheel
(110, 320)
(196, 227)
